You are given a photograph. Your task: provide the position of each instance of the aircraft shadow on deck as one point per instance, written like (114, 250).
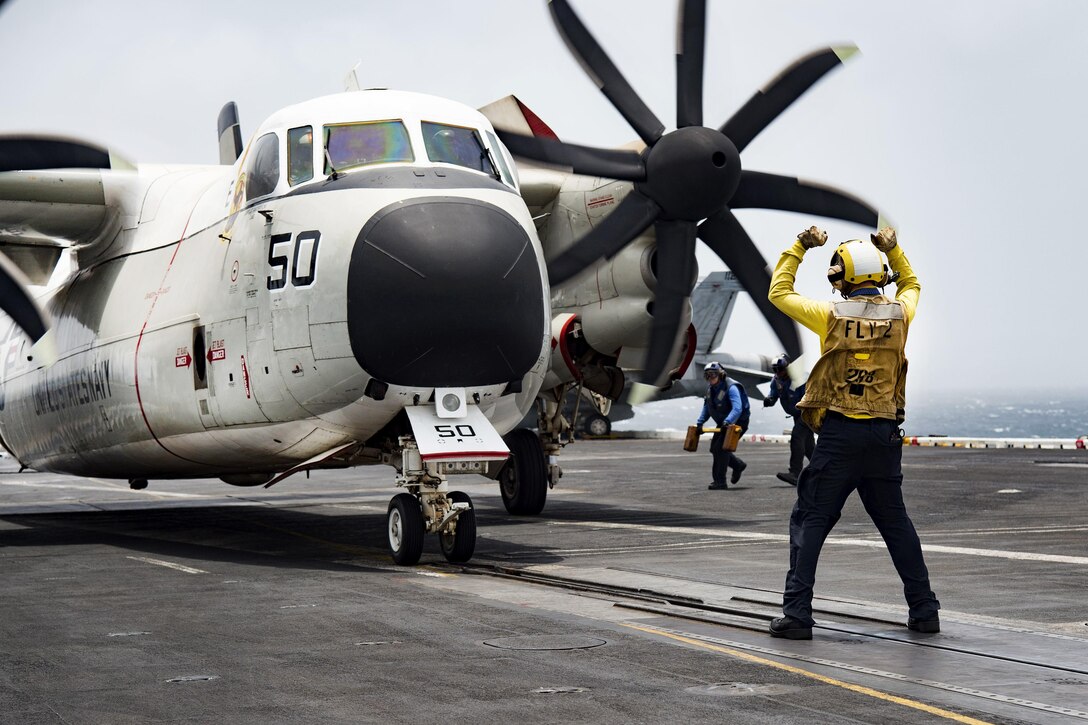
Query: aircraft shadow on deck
(293, 539)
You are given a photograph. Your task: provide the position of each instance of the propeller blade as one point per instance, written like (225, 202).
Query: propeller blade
(724, 234)
(758, 190)
(603, 72)
(632, 217)
(776, 96)
(31, 153)
(17, 303)
(585, 160)
(675, 272)
(691, 36)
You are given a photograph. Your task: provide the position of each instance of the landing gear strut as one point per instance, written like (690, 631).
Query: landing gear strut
(427, 506)
(458, 544)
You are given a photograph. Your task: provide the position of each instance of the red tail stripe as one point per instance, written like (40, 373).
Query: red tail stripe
(538, 127)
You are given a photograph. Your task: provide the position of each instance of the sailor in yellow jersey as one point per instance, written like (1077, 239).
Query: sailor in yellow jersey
(854, 400)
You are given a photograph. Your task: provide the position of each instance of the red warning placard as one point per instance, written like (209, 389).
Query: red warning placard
(217, 351)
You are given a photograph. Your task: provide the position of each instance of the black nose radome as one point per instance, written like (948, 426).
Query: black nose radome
(445, 292)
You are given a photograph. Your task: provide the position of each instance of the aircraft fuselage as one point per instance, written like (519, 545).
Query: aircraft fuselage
(206, 341)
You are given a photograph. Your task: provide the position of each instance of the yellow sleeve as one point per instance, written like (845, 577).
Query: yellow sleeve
(907, 287)
(810, 313)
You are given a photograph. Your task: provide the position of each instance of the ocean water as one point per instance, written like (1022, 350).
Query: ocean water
(986, 414)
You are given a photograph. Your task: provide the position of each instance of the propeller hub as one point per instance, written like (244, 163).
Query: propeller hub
(691, 173)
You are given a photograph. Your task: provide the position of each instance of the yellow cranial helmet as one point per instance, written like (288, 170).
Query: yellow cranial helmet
(857, 261)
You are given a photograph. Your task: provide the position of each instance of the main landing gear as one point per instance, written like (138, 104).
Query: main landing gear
(428, 507)
(523, 481)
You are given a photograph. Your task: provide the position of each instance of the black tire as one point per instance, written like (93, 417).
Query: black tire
(458, 546)
(405, 529)
(596, 425)
(523, 481)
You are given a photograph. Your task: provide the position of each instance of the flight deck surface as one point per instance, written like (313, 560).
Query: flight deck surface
(637, 596)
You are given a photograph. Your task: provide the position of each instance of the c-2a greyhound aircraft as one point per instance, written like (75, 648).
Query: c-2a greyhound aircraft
(374, 279)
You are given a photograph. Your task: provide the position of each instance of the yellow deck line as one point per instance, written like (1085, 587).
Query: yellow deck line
(812, 675)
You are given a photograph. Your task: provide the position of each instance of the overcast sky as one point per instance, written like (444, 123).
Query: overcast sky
(963, 120)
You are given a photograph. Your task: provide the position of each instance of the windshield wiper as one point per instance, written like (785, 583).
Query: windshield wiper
(334, 175)
(485, 152)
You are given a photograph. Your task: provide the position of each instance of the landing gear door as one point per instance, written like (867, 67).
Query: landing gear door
(471, 438)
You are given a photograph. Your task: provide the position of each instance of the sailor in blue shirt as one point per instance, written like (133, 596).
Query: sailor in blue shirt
(802, 440)
(726, 403)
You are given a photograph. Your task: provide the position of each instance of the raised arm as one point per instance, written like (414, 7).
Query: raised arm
(810, 313)
(907, 287)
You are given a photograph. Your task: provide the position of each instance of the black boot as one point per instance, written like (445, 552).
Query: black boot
(738, 468)
(789, 628)
(930, 625)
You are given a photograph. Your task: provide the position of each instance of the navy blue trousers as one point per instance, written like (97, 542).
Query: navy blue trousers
(865, 455)
(724, 459)
(802, 443)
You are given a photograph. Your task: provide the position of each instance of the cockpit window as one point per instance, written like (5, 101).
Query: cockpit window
(457, 145)
(300, 155)
(263, 172)
(358, 144)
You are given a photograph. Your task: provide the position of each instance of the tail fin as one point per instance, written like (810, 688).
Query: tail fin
(711, 306)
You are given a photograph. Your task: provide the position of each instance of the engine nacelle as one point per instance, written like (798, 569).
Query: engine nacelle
(575, 360)
(562, 369)
(613, 299)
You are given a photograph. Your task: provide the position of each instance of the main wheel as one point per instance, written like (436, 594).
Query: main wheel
(523, 481)
(405, 529)
(596, 424)
(458, 546)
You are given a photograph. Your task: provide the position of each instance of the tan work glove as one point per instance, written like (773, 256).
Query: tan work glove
(812, 237)
(884, 240)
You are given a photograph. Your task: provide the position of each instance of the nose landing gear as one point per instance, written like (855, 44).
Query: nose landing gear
(428, 507)
(458, 544)
(405, 520)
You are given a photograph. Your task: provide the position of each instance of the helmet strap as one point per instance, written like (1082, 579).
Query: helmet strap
(836, 275)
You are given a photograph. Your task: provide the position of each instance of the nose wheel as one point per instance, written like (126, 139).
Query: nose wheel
(448, 514)
(405, 519)
(459, 543)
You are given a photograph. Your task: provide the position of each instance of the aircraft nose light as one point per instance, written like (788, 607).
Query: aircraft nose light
(453, 402)
(447, 292)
